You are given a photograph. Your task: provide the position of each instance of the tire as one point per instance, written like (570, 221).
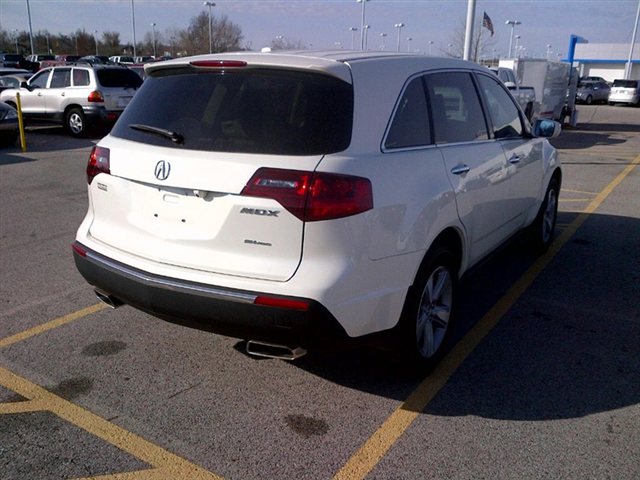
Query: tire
(545, 223)
(589, 100)
(76, 122)
(428, 311)
(9, 139)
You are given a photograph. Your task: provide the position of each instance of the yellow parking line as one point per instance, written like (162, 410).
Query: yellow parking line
(578, 191)
(172, 465)
(25, 406)
(18, 337)
(575, 200)
(370, 454)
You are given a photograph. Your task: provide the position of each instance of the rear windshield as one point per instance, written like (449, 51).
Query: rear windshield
(118, 78)
(11, 57)
(625, 83)
(254, 111)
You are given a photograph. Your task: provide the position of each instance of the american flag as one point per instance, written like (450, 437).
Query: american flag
(487, 23)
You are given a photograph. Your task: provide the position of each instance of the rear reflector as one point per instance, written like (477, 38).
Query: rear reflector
(282, 303)
(98, 163)
(312, 196)
(79, 249)
(218, 63)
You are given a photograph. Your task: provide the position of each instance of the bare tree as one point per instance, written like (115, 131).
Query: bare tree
(225, 35)
(282, 43)
(481, 43)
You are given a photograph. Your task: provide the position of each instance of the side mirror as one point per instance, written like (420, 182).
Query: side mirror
(24, 85)
(510, 84)
(546, 128)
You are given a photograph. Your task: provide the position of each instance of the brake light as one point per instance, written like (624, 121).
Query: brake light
(282, 303)
(95, 96)
(98, 163)
(218, 63)
(312, 196)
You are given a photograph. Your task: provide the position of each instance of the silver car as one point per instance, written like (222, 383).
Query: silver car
(590, 92)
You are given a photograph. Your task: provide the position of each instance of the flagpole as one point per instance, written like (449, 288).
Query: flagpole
(468, 36)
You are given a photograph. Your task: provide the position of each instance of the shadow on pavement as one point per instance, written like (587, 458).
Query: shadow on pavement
(46, 139)
(569, 347)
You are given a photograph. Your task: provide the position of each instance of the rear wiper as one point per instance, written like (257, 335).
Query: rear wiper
(173, 136)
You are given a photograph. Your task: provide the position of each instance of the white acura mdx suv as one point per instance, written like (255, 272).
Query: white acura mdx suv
(292, 199)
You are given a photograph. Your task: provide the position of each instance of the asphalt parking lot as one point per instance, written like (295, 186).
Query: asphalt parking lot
(543, 382)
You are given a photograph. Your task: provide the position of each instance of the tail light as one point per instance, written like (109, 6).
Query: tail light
(98, 163)
(95, 96)
(312, 196)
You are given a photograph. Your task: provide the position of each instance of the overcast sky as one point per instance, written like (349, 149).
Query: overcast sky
(325, 24)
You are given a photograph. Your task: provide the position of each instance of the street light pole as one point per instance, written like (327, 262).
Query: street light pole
(409, 44)
(353, 31)
(430, 47)
(133, 23)
(363, 34)
(513, 24)
(548, 50)
(153, 36)
(399, 27)
(515, 50)
(365, 29)
(30, 28)
(382, 36)
(629, 65)
(15, 37)
(210, 4)
(95, 37)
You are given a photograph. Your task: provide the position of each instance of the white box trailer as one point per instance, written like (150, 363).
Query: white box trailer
(553, 82)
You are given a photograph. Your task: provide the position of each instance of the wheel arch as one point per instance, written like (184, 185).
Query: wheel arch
(450, 238)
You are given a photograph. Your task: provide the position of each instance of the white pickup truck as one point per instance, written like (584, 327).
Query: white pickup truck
(525, 96)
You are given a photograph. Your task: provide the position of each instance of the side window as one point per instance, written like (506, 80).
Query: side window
(80, 77)
(61, 78)
(40, 80)
(410, 126)
(504, 112)
(457, 114)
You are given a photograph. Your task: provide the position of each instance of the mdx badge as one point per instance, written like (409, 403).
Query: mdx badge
(260, 211)
(162, 170)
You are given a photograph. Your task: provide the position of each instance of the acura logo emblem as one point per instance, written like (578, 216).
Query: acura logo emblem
(162, 170)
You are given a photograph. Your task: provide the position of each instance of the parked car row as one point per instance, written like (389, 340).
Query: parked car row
(77, 96)
(620, 91)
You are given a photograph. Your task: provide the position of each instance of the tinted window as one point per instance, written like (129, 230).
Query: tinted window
(80, 77)
(457, 114)
(256, 111)
(410, 126)
(625, 83)
(40, 79)
(504, 113)
(118, 78)
(61, 78)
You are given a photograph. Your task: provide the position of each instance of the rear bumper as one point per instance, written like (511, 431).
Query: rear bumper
(98, 115)
(216, 309)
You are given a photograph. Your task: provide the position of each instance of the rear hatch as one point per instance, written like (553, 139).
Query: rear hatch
(210, 167)
(624, 89)
(118, 85)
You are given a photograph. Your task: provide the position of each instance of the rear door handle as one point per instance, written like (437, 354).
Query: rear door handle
(460, 169)
(515, 159)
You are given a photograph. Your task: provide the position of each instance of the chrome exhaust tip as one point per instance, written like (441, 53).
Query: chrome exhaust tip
(107, 299)
(272, 350)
